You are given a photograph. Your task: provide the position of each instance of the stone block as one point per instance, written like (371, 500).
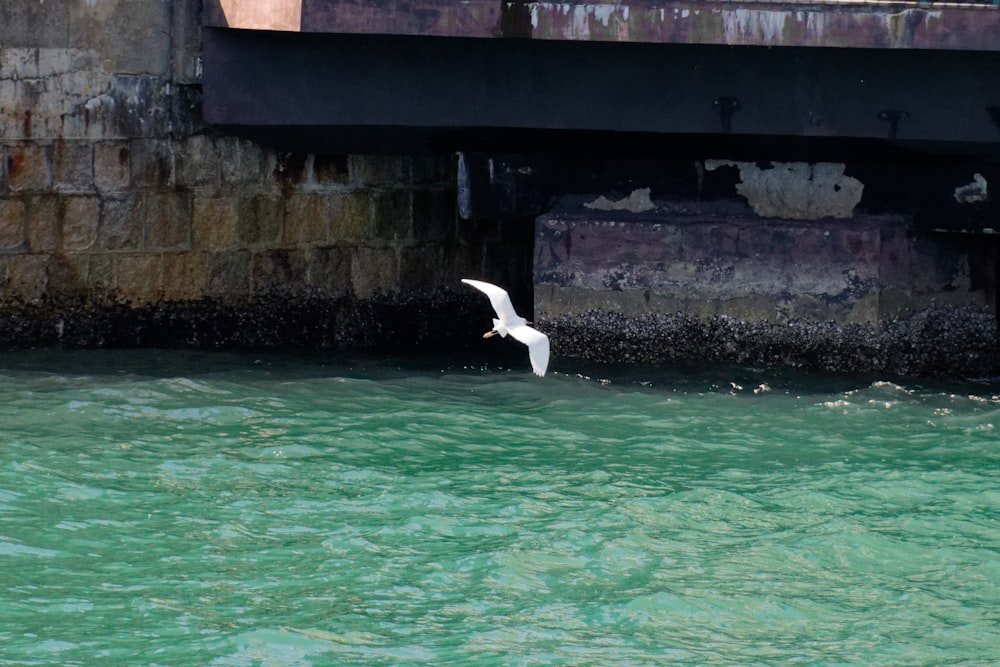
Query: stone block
(34, 24)
(72, 166)
(242, 161)
(167, 221)
(10, 112)
(213, 224)
(373, 271)
(229, 273)
(121, 224)
(259, 220)
(278, 271)
(151, 164)
(186, 42)
(4, 278)
(380, 170)
(330, 170)
(58, 62)
(132, 35)
(198, 163)
(80, 222)
(424, 268)
(139, 278)
(18, 62)
(434, 215)
(120, 106)
(111, 165)
(26, 120)
(306, 218)
(43, 221)
(289, 170)
(350, 216)
(101, 274)
(186, 115)
(27, 277)
(3, 152)
(67, 275)
(29, 167)
(329, 269)
(391, 217)
(13, 218)
(185, 275)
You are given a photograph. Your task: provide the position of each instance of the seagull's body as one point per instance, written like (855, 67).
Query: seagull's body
(508, 321)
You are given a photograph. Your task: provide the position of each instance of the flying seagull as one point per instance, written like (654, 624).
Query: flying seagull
(509, 322)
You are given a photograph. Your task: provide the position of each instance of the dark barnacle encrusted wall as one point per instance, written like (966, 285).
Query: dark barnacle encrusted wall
(957, 341)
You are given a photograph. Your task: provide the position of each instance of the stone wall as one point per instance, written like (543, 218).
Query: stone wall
(114, 198)
(219, 216)
(125, 221)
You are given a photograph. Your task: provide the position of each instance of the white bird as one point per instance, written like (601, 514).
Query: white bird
(509, 322)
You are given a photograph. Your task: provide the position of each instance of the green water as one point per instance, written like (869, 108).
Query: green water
(174, 508)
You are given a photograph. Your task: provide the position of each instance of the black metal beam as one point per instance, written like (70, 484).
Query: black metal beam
(335, 92)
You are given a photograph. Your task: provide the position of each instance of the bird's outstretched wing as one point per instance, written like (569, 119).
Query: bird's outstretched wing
(538, 347)
(499, 298)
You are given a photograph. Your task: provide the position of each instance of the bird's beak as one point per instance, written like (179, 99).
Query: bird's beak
(490, 334)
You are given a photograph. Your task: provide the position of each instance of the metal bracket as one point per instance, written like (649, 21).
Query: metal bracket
(727, 106)
(893, 116)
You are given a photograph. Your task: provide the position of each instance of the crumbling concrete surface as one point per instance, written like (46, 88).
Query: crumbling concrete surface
(796, 190)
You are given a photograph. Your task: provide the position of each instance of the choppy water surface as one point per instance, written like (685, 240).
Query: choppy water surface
(172, 508)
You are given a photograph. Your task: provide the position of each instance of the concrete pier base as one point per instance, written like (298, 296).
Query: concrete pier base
(716, 283)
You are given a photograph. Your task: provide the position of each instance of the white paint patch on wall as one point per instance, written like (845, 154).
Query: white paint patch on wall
(581, 22)
(767, 26)
(900, 25)
(976, 191)
(583, 15)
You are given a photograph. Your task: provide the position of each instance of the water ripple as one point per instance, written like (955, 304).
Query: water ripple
(286, 511)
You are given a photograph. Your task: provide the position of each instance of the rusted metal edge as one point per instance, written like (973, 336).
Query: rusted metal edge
(843, 24)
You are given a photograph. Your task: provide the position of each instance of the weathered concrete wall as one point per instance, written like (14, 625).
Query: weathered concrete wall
(706, 260)
(688, 281)
(114, 198)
